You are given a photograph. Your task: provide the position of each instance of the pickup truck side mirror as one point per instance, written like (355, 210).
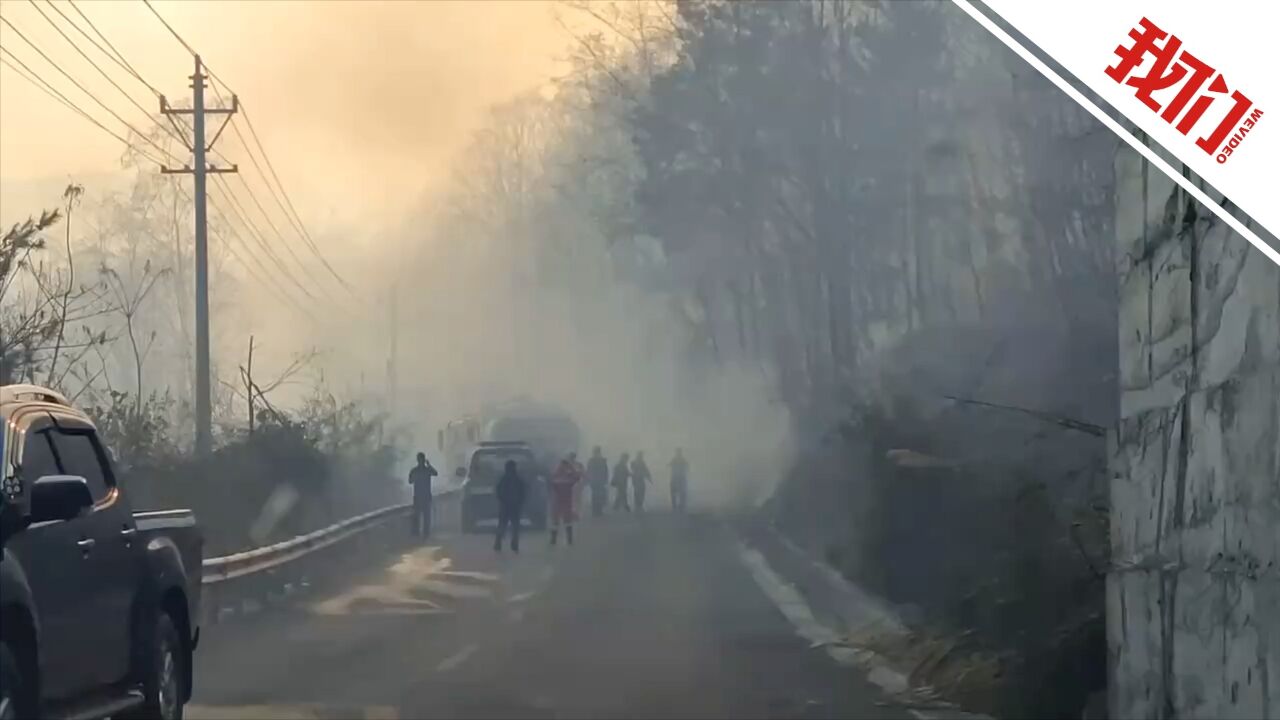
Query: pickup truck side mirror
(460, 472)
(59, 497)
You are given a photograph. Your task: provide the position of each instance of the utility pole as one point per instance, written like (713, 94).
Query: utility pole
(394, 328)
(198, 170)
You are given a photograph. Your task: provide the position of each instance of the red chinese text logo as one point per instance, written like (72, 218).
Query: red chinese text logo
(1188, 75)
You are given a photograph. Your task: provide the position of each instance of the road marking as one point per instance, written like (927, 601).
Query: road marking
(789, 601)
(453, 661)
(793, 606)
(520, 598)
(289, 712)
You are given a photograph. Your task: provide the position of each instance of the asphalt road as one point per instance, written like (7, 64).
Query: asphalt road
(653, 616)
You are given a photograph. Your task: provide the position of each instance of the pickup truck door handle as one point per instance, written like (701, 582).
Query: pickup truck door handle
(128, 535)
(86, 544)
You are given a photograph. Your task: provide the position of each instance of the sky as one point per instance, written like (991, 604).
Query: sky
(360, 105)
(363, 108)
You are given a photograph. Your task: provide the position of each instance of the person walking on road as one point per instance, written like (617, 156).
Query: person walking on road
(598, 481)
(564, 483)
(640, 479)
(581, 488)
(679, 481)
(420, 478)
(621, 478)
(510, 491)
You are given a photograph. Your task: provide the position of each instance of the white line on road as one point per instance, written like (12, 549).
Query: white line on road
(792, 605)
(797, 611)
(520, 598)
(453, 661)
(786, 598)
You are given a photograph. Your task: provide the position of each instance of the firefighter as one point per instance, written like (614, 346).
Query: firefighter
(598, 481)
(679, 481)
(420, 478)
(564, 482)
(511, 492)
(621, 478)
(640, 479)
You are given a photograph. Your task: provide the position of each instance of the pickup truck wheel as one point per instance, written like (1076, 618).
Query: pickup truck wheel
(162, 673)
(14, 702)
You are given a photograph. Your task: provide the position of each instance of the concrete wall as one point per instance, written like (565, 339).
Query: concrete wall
(1193, 595)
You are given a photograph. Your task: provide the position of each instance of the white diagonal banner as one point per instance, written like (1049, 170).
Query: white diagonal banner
(1192, 75)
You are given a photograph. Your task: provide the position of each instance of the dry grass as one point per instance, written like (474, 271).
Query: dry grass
(941, 668)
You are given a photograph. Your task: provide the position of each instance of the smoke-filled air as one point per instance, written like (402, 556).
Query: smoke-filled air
(855, 259)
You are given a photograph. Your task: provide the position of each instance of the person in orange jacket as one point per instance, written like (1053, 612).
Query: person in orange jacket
(563, 486)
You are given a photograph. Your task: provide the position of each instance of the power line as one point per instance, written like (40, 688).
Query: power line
(276, 289)
(259, 237)
(118, 56)
(253, 231)
(119, 59)
(256, 234)
(300, 227)
(295, 218)
(75, 82)
(273, 288)
(34, 78)
(287, 246)
(95, 65)
(173, 32)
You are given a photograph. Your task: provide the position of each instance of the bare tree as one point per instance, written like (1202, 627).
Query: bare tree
(38, 302)
(71, 197)
(128, 301)
(255, 393)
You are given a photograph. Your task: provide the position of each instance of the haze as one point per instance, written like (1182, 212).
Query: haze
(360, 104)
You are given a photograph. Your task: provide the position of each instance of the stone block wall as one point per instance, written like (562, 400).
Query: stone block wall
(1193, 592)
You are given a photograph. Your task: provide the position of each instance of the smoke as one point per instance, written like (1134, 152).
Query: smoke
(366, 110)
(360, 104)
(616, 356)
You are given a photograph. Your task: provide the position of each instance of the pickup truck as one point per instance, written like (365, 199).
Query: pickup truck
(99, 605)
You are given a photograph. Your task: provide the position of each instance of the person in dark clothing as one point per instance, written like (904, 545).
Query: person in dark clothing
(621, 478)
(640, 479)
(598, 481)
(420, 478)
(511, 492)
(679, 481)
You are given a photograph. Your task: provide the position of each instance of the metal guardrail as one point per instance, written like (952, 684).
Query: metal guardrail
(263, 573)
(267, 557)
(228, 567)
